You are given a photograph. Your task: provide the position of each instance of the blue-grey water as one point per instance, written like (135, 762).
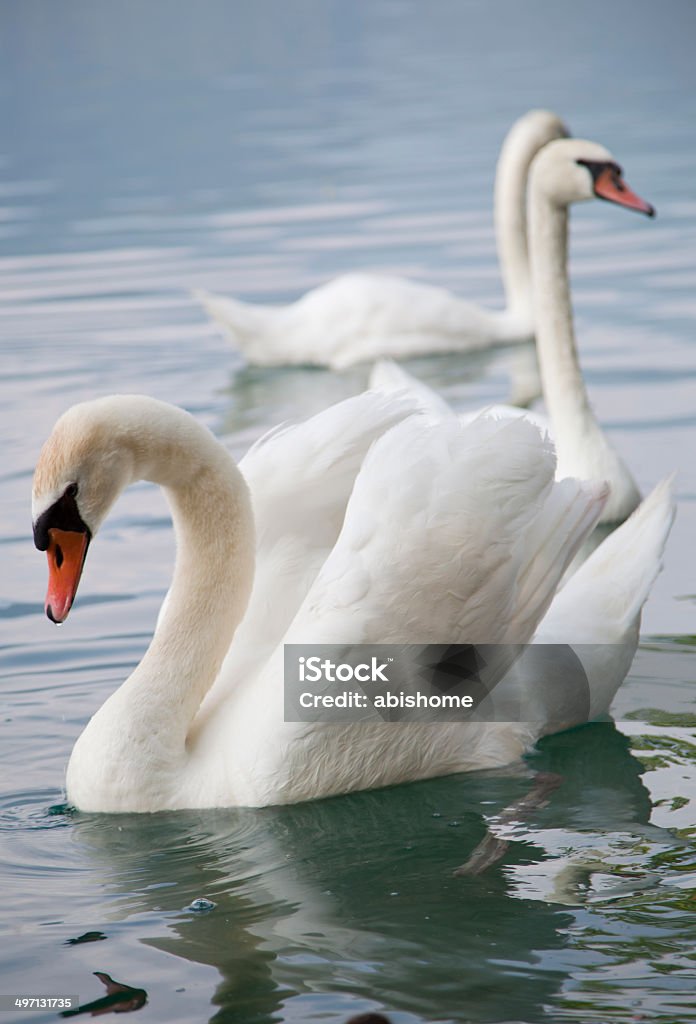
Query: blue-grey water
(258, 149)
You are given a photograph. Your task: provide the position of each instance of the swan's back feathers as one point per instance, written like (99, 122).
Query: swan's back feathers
(445, 538)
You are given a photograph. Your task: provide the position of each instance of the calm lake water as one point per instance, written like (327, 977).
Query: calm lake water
(258, 149)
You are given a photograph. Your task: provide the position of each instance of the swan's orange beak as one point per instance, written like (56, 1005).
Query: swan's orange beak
(66, 556)
(610, 185)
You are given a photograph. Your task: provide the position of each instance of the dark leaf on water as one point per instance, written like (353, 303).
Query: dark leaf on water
(368, 1018)
(86, 937)
(118, 999)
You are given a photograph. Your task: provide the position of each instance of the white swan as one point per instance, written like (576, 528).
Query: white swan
(358, 317)
(564, 172)
(449, 532)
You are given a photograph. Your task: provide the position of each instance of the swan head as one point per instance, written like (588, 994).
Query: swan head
(82, 468)
(572, 170)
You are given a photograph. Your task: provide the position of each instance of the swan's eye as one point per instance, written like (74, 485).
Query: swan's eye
(595, 167)
(71, 490)
(616, 173)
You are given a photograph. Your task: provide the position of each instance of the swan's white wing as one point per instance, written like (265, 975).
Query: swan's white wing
(599, 608)
(452, 534)
(300, 477)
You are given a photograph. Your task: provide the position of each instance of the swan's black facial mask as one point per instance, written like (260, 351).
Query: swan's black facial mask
(62, 515)
(62, 533)
(609, 184)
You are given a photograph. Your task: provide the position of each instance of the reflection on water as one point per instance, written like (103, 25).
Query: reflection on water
(147, 150)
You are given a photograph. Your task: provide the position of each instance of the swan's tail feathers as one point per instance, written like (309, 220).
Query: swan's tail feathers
(243, 323)
(386, 375)
(598, 610)
(630, 559)
(605, 597)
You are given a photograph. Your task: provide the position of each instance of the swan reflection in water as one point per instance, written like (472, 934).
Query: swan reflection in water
(356, 897)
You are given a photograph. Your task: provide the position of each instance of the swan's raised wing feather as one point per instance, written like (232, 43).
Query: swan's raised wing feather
(300, 478)
(308, 469)
(452, 534)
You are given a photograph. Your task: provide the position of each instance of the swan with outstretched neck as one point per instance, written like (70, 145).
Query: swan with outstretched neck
(566, 171)
(360, 316)
(363, 524)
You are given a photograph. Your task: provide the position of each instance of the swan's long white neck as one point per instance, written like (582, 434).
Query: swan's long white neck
(581, 446)
(564, 387)
(136, 743)
(521, 145)
(511, 228)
